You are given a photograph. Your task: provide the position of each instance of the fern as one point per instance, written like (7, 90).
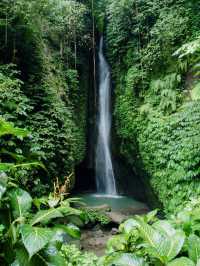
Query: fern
(195, 92)
(188, 49)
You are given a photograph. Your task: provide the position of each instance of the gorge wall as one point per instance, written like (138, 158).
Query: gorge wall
(45, 54)
(153, 48)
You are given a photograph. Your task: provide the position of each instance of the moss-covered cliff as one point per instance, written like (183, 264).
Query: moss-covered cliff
(44, 77)
(153, 48)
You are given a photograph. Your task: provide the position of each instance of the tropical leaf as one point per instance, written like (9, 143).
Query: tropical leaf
(71, 229)
(117, 243)
(7, 128)
(30, 165)
(55, 260)
(195, 92)
(21, 202)
(6, 166)
(198, 263)
(66, 210)
(53, 202)
(45, 216)
(194, 247)
(9, 166)
(127, 259)
(189, 48)
(77, 220)
(51, 254)
(128, 226)
(40, 201)
(76, 201)
(159, 245)
(151, 216)
(183, 261)
(35, 238)
(22, 258)
(59, 237)
(174, 245)
(3, 183)
(164, 227)
(13, 232)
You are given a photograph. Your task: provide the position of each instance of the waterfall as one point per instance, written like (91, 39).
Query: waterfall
(105, 179)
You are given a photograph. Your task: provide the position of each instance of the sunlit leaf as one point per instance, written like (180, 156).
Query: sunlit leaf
(71, 229)
(35, 238)
(183, 261)
(126, 259)
(21, 202)
(194, 247)
(45, 216)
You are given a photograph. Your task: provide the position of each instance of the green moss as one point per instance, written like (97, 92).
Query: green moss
(42, 89)
(156, 122)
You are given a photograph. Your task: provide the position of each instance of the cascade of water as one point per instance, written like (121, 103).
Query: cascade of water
(105, 179)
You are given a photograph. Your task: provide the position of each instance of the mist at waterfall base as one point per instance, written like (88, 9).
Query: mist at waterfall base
(106, 188)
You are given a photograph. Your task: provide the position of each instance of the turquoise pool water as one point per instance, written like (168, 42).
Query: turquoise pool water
(117, 203)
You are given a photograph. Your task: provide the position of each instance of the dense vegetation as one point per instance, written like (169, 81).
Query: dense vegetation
(47, 68)
(149, 241)
(44, 51)
(153, 48)
(44, 80)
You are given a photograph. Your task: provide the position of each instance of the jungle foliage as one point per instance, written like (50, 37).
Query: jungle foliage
(44, 51)
(44, 80)
(154, 50)
(28, 235)
(149, 241)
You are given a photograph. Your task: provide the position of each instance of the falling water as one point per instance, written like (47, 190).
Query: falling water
(104, 169)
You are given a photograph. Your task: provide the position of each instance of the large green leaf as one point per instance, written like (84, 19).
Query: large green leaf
(194, 247)
(9, 166)
(117, 243)
(45, 216)
(7, 128)
(127, 259)
(6, 166)
(21, 202)
(13, 232)
(128, 226)
(76, 220)
(164, 227)
(66, 211)
(60, 237)
(35, 238)
(159, 245)
(3, 183)
(22, 259)
(151, 216)
(183, 261)
(53, 202)
(71, 229)
(55, 260)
